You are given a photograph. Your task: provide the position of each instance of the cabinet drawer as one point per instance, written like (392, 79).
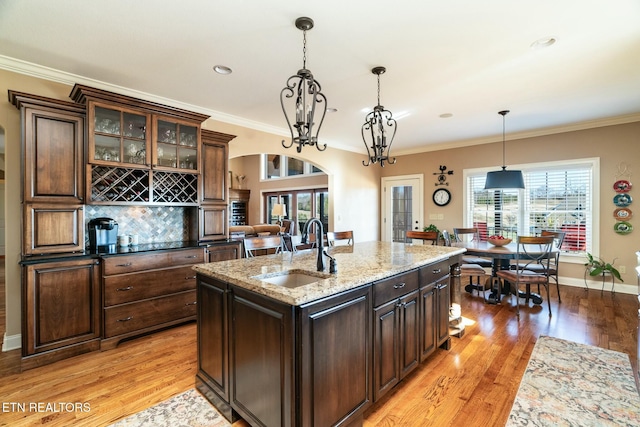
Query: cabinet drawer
(394, 287)
(150, 261)
(433, 272)
(129, 287)
(127, 318)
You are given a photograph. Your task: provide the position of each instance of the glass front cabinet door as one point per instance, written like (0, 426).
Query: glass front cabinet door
(176, 145)
(118, 137)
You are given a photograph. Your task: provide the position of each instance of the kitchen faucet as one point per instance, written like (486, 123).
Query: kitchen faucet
(319, 239)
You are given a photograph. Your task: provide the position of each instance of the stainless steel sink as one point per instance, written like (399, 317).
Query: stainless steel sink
(292, 278)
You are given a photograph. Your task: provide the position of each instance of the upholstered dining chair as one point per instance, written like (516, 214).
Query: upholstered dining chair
(531, 250)
(471, 234)
(470, 270)
(263, 244)
(554, 262)
(333, 236)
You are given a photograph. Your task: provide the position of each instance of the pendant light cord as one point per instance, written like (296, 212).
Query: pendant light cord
(504, 156)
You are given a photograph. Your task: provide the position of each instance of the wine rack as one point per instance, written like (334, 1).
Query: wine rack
(110, 184)
(136, 186)
(172, 187)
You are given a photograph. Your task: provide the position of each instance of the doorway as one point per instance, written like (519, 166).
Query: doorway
(402, 208)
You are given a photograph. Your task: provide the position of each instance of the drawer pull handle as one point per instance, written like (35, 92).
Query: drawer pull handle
(124, 265)
(399, 285)
(192, 256)
(191, 303)
(190, 277)
(128, 288)
(437, 271)
(126, 319)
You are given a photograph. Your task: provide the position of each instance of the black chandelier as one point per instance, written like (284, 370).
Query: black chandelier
(308, 98)
(378, 124)
(504, 179)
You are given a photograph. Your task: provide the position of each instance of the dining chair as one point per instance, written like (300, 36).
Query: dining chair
(471, 234)
(554, 262)
(470, 270)
(530, 250)
(263, 244)
(429, 236)
(333, 236)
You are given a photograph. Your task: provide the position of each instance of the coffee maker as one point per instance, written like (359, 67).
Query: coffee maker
(103, 235)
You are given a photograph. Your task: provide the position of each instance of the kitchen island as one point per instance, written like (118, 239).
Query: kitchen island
(281, 344)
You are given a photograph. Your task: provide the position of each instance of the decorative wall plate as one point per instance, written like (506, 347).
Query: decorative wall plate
(622, 214)
(623, 227)
(622, 200)
(622, 186)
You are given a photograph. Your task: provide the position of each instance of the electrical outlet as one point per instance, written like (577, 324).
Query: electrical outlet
(433, 216)
(441, 216)
(622, 269)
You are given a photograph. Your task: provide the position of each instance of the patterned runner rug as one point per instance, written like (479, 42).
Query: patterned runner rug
(188, 409)
(567, 383)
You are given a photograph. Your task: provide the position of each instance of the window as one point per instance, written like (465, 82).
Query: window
(301, 205)
(558, 196)
(276, 166)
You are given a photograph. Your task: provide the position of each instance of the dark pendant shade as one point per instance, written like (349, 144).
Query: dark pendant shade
(503, 179)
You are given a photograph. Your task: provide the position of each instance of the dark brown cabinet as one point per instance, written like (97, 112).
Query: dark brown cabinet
(396, 330)
(434, 303)
(53, 170)
(61, 310)
(224, 252)
(140, 152)
(148, 291)
(315, 360)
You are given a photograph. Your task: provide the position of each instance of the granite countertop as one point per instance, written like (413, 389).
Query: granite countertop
(358, 265)
(117, 250)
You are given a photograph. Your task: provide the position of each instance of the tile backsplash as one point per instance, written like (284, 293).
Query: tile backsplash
(152, 224)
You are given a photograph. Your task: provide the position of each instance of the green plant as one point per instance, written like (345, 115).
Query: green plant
(432, 227)
(597, 266)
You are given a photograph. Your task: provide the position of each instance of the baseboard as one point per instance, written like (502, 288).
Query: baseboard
(11, 342)
(596, 285)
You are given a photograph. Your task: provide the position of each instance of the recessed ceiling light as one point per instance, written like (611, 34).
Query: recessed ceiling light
(543, 42)
(332, 110)
(221, 69)
(445, 115)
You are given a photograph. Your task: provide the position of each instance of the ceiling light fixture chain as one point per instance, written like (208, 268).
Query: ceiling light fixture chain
(378, 124)
(309, 99)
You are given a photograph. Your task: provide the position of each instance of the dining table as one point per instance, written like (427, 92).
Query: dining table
(501, 256)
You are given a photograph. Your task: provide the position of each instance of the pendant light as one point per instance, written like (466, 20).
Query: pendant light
(378, 124)
(503, 179)
(309, 100)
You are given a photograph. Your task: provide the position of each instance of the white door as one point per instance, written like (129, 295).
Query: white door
(402, 207)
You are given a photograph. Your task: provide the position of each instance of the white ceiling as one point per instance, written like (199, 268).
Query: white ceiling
(468, 58)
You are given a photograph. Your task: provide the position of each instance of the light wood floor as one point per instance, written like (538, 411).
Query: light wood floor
(473, 384)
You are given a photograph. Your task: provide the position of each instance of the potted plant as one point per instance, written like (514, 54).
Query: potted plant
(597, 266)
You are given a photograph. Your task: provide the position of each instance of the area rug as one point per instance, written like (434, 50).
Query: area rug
(571, 384)
(188, 409)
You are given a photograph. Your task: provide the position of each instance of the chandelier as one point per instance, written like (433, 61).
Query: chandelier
(378, 124)
(503, 179)
(309, 100)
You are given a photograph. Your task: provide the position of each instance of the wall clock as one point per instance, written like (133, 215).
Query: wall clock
(441, 197)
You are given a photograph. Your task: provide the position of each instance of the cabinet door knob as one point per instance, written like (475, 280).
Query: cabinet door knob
(124, 265)
(191, 303)
(192, 256)
(437, 271)
(399, 285)
(190, 277)
(128, 288)
(126, 319)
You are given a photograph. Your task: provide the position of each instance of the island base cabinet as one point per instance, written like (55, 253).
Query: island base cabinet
(212, 379)
(336, 359)
(262, 360)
